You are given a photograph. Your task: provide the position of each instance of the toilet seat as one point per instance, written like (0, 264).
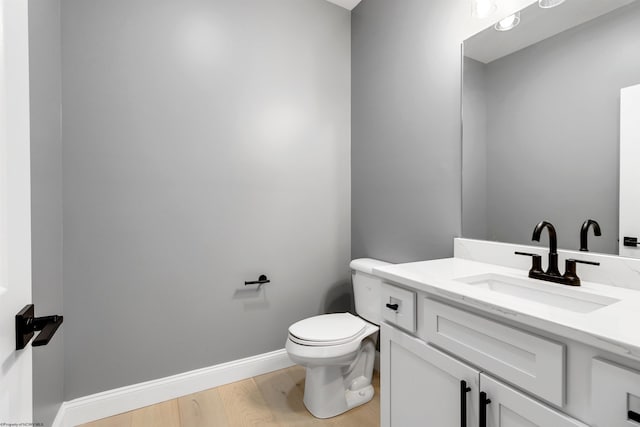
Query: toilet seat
(327, 330)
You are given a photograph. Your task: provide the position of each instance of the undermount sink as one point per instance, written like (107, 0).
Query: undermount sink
(554, 295)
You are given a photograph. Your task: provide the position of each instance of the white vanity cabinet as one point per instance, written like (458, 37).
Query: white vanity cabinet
(423, 386)
(438, 368)
(545, 355)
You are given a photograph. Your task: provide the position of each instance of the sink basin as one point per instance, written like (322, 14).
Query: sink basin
(559, 296)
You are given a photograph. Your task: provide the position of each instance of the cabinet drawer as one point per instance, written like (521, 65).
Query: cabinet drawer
(404, 315)
(615, 395)
(528, 361)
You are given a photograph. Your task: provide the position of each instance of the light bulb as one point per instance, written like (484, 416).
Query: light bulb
(483, 8)
(548, 4)
(508, 23)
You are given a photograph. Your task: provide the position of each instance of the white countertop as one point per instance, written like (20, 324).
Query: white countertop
(614, 328)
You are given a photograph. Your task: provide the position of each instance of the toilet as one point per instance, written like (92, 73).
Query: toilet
(338, 350)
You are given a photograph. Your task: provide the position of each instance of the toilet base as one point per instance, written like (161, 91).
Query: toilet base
(331, 400)
(332, 390)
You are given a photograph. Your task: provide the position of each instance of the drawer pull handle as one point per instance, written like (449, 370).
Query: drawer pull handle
(634, 416)
(483, 408)
(393, 307)
(464, 389)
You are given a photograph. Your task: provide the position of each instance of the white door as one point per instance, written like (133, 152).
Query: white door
(15, 210)
(510, 408)
(423, 386)
(630, 169)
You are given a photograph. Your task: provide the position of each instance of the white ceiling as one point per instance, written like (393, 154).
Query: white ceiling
(347, 4)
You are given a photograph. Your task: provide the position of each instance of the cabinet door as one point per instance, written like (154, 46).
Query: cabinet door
(510, 408)
(422, 386)
(615, 395)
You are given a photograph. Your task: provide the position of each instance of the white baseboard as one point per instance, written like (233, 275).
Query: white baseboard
(117, 401)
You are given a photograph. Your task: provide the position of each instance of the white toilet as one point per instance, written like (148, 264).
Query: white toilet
(338, 350)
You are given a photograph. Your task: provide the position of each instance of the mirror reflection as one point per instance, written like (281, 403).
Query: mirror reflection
(541, 122)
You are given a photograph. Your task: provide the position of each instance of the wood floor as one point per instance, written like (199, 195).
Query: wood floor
(271, 400)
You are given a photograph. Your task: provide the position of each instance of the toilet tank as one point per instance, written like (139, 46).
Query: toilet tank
(366, 288)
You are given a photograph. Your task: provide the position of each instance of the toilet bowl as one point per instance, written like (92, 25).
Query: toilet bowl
(338, 350)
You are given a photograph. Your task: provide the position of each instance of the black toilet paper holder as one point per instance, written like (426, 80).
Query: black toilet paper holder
(262, 280)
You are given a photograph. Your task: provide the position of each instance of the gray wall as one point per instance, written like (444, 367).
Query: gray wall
(553, 134)
(406, 128)
(46, 199)
(205, 142)
(474, 154)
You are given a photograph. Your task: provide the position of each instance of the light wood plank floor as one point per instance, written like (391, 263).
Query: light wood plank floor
(271, 400)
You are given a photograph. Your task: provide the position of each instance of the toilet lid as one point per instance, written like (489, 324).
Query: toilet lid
(328, 328)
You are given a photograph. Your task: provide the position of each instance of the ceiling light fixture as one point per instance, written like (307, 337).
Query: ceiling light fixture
(483, 8)
(548, 4)
(508, 23)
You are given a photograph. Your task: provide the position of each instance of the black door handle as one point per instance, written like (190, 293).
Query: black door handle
(483, 408)
(393, 306)
(50, 325)
(634, 416)
(27, 324)
(464, 389)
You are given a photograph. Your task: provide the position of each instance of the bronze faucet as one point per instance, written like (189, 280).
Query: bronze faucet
(552, 269)
(585, 230)
(553, 274)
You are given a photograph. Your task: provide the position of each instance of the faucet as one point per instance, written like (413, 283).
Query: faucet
(552, 269)
(585, 230)
(553, 274)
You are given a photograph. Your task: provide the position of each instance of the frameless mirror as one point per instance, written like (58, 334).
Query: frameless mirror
(541, 122)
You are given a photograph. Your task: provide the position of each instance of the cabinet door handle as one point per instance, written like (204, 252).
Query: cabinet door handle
(483, 408)
(392, 307)
(634, 416)
(464, 389)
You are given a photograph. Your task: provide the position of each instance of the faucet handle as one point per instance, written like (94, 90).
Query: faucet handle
(526, 254)
(536, 262)
(570, 276)
(579, 261)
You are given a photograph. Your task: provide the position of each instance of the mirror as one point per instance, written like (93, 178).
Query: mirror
(541, 122)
